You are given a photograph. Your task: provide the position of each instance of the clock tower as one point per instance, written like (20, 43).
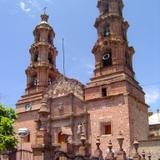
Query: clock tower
(41, 73)
(111, 51)
(113, 93)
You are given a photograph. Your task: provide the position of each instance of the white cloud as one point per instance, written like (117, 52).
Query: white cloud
(33, 6)
(152, 95)
(90, 68)
(24, 8)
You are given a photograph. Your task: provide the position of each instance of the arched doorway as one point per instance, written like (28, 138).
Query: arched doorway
(61, 138)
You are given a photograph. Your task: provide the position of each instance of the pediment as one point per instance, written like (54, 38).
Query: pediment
(64, 86)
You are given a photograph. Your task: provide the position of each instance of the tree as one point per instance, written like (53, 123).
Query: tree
(8, 139)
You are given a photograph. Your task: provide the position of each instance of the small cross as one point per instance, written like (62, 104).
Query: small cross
(45, 9)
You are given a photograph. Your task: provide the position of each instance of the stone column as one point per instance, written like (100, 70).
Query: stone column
(42, 146)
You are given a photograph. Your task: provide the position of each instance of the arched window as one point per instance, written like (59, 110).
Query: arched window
(50, 58)
(34, 81)
(26, 139)
(104, 91)
(61, 138)
(107, 58)
(37, 37)
(127, 59)
(124, 35)
(107, 7)
(50, 39)
(35, 57)
(107, 31)
(50, 80)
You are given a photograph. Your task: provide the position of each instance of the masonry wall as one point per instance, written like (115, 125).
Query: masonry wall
(66, 105)
(138, 112)
(152, 146)
(27, 120)
(114, 110)
(112, 89)
(67, 111)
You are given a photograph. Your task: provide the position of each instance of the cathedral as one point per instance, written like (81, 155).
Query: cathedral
(56, 108)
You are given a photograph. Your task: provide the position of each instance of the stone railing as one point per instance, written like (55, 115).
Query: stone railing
(65, 152)
(82, 152)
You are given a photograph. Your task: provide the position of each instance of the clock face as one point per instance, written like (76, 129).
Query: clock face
(107, 59)
(106, 56)
(28, 107)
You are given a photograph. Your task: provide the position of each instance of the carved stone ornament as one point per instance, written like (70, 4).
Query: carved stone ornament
(64, 86)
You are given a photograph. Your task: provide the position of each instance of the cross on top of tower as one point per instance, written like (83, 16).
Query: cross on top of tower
(45, 9)
(44, 16)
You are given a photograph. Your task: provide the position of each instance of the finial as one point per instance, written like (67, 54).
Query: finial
(44, 16)
(136, 145)
(149, 156)
(143, 155)
(120, 139)
(83, 139)
(98, 142)
(110, 154)
(110, 146)
(45, 10)
(98, 151)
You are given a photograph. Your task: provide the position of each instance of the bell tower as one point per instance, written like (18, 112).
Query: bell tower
(111, 51)
(41, 73)
(42, 69)
(113, 93)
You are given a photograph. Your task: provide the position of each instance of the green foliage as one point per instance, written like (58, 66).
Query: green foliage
(8, 117)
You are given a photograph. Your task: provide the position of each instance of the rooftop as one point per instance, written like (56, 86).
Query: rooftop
(155, 118)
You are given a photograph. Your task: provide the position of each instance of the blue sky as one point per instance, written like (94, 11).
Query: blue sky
(73, 20)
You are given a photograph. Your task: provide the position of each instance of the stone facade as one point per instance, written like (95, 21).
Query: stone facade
(57, 109)
(152, 146)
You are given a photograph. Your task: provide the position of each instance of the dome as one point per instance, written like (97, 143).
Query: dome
(43, 24)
